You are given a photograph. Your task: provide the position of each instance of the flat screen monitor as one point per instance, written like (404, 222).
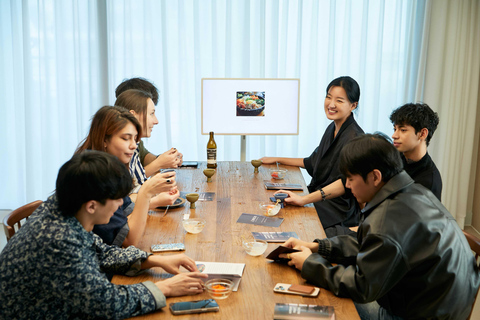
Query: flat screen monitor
(250, 106)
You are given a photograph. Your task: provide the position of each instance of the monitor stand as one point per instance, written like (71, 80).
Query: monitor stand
(243, 147)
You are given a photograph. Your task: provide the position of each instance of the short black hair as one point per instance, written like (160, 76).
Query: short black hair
(138, 84)
(368, 152)
(417, 115)
(351, 87)
(91, 175)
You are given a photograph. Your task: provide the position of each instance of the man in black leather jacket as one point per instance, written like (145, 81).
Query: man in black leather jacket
(410, 259)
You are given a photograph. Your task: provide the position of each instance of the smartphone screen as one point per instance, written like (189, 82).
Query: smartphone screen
(168, 247)
(189, 164)
(198, 306)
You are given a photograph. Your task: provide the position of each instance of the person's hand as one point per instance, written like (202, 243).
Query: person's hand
(172, 263)
(180, 159)
(169, 159)
(165, 198)
(161, 182)
(182, 284)
(293, 198)
(354, 229)
(268, 160)
(295, 243)
(297, 258)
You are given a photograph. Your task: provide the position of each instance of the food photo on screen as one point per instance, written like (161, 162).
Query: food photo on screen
(250, 103)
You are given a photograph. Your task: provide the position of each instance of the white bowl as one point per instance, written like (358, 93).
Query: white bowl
(255, 248)
(194, 225)
(270, 209)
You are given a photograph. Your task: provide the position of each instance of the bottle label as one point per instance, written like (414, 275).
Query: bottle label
(211, 156)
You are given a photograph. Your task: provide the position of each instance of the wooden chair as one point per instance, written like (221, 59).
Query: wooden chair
(474, 243)
(15, 217)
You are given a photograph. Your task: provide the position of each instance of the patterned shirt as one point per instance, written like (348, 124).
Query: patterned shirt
(52, 268)
(136, 170)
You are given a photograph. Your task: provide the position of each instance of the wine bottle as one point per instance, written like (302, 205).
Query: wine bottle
(211, 152)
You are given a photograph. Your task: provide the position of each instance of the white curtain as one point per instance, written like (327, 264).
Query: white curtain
(51, 82)
(61, 61)
(451, 86)
(177, 43)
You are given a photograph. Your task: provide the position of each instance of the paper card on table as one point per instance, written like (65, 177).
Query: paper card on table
(303, 311)
(274, 236)
(285, 186)
(260, 220)
(274, 255)
(232, 271)
(202, 196)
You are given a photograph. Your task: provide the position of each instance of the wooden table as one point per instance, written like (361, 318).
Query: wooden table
(237, 190)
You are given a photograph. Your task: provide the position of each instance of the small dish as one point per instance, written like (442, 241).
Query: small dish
(270, 209)
(194, 225)
(255, 248)
(278, 173)
(178, 203)
(219, 288)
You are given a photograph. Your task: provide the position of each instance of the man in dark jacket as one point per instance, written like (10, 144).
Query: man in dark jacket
(410, 259)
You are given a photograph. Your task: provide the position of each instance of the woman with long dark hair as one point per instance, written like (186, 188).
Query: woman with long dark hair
(115, 130)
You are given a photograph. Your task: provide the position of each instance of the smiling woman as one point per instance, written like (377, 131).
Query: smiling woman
(141, 105)
(115, 130)
(335, 207)
(123, 143)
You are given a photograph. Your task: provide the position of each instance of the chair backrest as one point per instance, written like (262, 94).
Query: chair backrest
(17, 215)
(474, 243)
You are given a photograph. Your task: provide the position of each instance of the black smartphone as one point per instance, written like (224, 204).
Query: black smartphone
(193, 164)
(199, 306)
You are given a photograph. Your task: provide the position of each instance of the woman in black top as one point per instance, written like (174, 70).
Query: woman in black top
(335, 205)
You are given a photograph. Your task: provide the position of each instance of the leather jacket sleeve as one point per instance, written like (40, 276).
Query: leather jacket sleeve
(341, 249)
(379, 265)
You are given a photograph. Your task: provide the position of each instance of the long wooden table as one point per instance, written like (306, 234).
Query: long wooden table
(237, 190)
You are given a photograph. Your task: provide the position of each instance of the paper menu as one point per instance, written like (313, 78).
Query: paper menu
(274, 236)
(260, 220)
(232, 271)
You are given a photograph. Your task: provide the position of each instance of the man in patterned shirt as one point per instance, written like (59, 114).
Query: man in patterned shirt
(55, 267)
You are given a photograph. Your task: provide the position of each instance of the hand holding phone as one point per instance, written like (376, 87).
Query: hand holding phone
(199, 306)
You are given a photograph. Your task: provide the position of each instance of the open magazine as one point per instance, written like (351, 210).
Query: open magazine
(225, 270)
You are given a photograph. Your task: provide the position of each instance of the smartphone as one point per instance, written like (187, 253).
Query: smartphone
(198, 306)
(193, 164)
(302, 290)
(168, 247)
(166, 170)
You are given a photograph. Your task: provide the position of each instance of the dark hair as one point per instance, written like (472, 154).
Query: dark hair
(136, 100)
(139, 84)
(91, 175)
(106, 122)
(417, 115)
(350, 86)
(368, 152)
